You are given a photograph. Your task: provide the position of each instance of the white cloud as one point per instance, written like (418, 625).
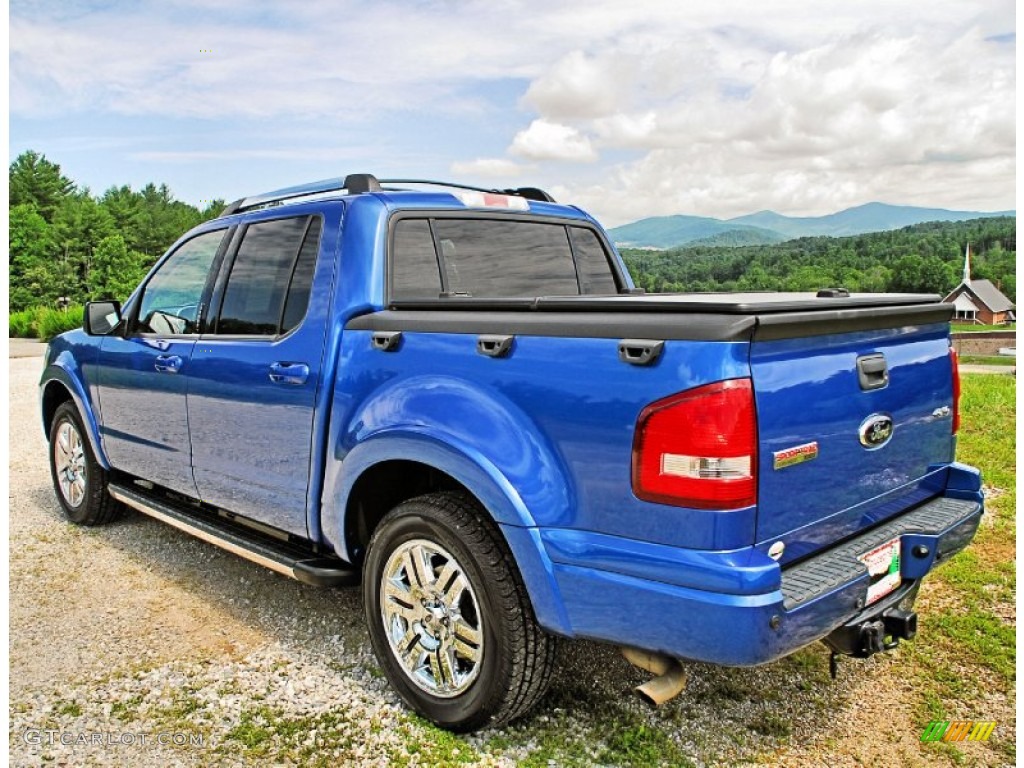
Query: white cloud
(867, 116)
(706, 107)
(577, 86)
(545, 140)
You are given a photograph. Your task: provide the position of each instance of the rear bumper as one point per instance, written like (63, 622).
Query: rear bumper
(808, 601)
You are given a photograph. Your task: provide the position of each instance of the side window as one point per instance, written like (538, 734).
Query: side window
(170, 301)
(254, 299)
(414, 272)
(592, 263)
(297, 300)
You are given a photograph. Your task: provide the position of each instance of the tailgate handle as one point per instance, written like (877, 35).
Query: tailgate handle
(386, 341)
(494, 346)
(873, 371)
(640, 351)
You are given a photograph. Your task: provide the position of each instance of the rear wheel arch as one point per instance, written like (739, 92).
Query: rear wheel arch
(380, 487)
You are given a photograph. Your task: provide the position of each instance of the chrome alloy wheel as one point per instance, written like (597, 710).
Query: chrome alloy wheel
(69, 459)
(431, 618)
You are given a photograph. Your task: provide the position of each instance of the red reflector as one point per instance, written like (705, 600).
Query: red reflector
(954, 361)
(699, 448)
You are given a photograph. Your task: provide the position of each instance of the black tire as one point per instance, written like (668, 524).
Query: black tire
(81, 487)
(516, 656)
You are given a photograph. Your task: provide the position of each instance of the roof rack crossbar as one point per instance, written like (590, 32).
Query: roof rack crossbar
(354, 183)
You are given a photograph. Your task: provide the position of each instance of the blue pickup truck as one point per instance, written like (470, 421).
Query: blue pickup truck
(457, 398)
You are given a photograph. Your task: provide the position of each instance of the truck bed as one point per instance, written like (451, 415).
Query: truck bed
(567, 398)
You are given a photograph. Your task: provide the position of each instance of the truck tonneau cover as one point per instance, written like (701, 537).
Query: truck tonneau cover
(721, 303)
(693, 316)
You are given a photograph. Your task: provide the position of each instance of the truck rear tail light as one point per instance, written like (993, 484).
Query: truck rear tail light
(699, 448)
(954, 361)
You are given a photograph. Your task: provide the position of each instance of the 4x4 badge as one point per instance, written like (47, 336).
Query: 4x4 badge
(875, 431)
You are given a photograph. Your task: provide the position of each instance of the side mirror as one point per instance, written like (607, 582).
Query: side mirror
(101, 317)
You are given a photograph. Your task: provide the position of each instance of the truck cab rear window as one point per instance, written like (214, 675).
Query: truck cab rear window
(487, 258)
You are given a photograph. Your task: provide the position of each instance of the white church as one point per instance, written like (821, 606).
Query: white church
(978, 301)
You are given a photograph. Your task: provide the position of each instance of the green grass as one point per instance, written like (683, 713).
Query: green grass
(126, 710)
(968, 328)
(641, 745)
(69, 709)
(986, 640)
(430, 745)
(967, 652)
(988, 360)
(268, 734)
(988, 440)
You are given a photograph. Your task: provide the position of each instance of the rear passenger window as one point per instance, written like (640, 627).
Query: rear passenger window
(268, 289)
(414, 262)
(592, 262)
(297, 300)
(497, 259)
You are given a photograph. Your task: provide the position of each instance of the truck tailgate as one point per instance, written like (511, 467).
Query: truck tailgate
(853, 428)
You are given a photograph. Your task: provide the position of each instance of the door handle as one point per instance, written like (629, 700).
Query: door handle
(167, 363)
(289, 373)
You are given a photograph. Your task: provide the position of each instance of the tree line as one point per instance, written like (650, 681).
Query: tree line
(925, 258)
(66, 242)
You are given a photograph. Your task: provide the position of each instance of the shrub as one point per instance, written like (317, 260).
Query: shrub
(25, 324)
(53, 322)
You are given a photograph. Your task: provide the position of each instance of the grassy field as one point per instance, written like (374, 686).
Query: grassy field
(969, 617)
(988, 360)
(958, 328)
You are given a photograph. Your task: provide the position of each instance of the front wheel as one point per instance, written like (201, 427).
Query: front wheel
(78, 479)
(450, 621)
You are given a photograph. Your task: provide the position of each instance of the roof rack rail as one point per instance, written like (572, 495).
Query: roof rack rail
(357, 183)
(530, 193)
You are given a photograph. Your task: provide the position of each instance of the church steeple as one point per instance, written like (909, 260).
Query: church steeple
(967, 264)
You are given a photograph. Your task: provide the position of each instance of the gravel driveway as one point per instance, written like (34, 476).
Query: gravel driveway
(134, 644)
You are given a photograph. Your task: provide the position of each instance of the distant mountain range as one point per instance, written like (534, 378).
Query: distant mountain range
(768, 227)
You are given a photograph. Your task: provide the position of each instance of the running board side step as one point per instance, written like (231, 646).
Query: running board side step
(283, 557)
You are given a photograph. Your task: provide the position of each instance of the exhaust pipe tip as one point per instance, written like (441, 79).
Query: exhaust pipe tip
(669, 680)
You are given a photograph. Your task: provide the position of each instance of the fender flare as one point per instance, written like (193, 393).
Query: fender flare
(482, 479)
(56, 375)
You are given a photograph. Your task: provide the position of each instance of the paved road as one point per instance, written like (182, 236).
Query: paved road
(26, 348)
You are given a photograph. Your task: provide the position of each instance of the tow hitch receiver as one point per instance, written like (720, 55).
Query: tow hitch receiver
(880, 633)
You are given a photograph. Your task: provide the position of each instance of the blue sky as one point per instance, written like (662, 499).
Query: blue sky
(628, 109)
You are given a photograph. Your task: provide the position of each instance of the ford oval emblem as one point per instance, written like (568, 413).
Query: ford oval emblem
(875, 431)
